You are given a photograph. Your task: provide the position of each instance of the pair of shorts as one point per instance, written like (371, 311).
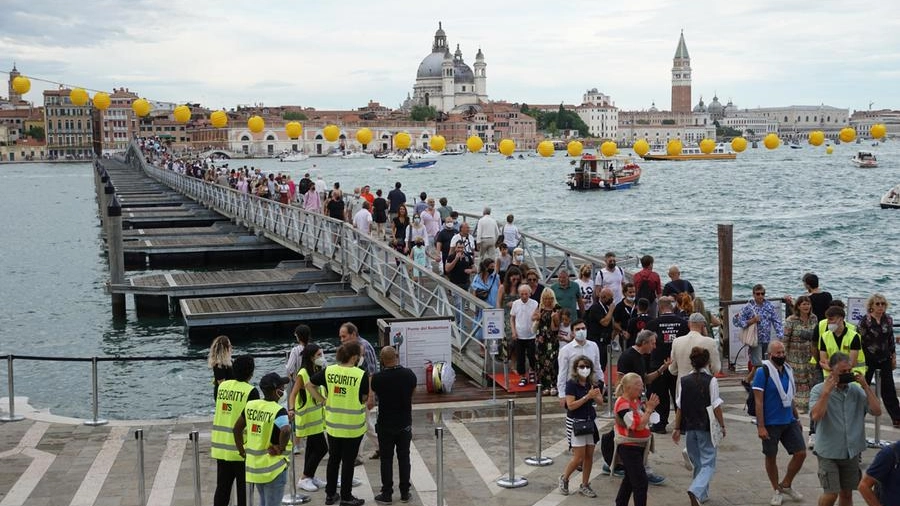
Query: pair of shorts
(839, 474)
(758, 353)
(789, 435)
(584, 440)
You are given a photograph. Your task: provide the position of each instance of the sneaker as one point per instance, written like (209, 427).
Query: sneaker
(319, 483)
(586, 491)
(331, 499)
(404, 497)
(619, 472)
(811, 442)
(523, 381)
(777, 499)
(307, 484)
(383, 498)
(693, 498)
(356, 482)
(793, 494)
(687, 460)
(353, 501)
(655, 479)
(563, 485)
(753, 421)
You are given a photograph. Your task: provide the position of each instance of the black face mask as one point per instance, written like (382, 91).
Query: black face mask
(779, 361)
(846, 378)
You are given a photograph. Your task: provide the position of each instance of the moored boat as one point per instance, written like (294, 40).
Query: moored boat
(692, 153)
(296, 156)
(891, 199)
(418, 165)
(865, 160)
(352, 155)
(604, 173)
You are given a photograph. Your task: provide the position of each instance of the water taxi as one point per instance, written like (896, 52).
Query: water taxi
(692, 153)
(891, 199)
(604, 173)
(865, 160)
(295, 156)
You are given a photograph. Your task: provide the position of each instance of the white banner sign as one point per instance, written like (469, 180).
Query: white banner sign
(856, 309)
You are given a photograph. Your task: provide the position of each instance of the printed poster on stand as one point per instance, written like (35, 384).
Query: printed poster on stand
(421, 341)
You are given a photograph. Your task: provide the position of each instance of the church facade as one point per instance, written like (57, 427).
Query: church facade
(444, 81)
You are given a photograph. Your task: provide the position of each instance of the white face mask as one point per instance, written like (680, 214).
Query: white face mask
(321, 362)
(584, 372)
(520, 258)
(581, 335)
(833, 327)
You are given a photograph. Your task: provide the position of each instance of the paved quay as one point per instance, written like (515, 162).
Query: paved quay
(47, 460)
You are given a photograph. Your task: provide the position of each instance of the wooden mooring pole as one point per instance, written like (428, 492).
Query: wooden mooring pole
(726, 259)
(116, 253)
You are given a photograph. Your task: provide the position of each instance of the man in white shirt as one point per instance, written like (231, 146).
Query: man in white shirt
(523, 335)
(486, 234)
(682, 346)
(611, 276)
(466, 238)
(570, 352)
(362, 220)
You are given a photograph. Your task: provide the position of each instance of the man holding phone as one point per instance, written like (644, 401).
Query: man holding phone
(839, 406)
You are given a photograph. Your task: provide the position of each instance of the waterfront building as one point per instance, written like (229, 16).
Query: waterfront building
(169, 131)
(68, 127)
(446, 82)
(118, 123)
(23, 149)
(18, 121)
(862, 121)
(599, 114)
(796, 121)
(751, 125)
(681, 78)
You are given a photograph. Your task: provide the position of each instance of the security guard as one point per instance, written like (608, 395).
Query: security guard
(840, 337)
(309, 417)
(347, 387)
(231, 398)
(268, 435)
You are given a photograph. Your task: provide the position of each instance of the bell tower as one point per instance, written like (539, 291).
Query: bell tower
(13, 95)
(681, 78)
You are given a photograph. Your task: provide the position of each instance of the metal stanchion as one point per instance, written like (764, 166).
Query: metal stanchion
(511, 480)
(195, 443)
(506, 374)
(609, 381)
(876, 442)
(12, 417)
(537, 459)
(439, 465)
(294, 497)
(142, 493)
(94, 397)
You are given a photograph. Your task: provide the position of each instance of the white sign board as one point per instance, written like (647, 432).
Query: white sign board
(493, 328)
(856, 309)
(735, 345)
(421, 341)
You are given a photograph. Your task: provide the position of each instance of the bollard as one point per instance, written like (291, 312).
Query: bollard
(609, 380)
(876, 442)
(439, 465)
(195, 443)
(512, 481)
(116, 254)
(12, 417)
(95, 406)
(537, 459)
(142, 493)
(506, 373)
(294, 497)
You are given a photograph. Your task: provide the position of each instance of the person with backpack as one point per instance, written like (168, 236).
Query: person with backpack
(647, 284)
(880, 483)
(611, 276)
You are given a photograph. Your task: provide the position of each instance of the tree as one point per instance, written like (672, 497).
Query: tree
(294, 116)
(35, 132)
(422, 113)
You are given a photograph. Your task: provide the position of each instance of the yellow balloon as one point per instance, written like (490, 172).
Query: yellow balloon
(293, 130)
(545, 148)
(256, 124)
(674, 147)
(102, 101)
(438, 143)
(141, 107)
(331, 133)
(474, 143)
(363, 136)
(608, 148)
(816, 137)
(402, 140)
(641, 147)
(738, 144)
(847, 134)
(182, 114)
(574, 148)
(878, 131)
(78, 96)
(506, 147)
(829, 150)
(707, 146)
(218, 119)
(771, 141)
(21, 85)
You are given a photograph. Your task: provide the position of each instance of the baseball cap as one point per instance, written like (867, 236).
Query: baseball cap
(272, 381)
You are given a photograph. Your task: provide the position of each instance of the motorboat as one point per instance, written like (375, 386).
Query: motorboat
(865, 160)
(692, 153)
(296, 156)
(891, 199)
(452, 153)
(418, 165)
(354, 155)
(604, 173)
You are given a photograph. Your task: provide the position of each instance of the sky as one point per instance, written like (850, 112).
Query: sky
(340, 55)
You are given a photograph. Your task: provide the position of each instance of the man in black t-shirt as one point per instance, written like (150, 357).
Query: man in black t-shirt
(667, 327)
(625, 310)
(394, 386)
(636, 358)
(677, 285)
(443, 238)
(335, 205)
(395, 198)
(599, 319)
(639, 321)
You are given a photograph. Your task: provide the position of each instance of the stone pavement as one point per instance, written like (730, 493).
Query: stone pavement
(47, 460)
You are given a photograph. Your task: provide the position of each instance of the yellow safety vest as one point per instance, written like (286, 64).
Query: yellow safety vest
(345, 416)
(260, 466)
(823, 328)
(230, 402)
(831, 347)
(309, 417)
